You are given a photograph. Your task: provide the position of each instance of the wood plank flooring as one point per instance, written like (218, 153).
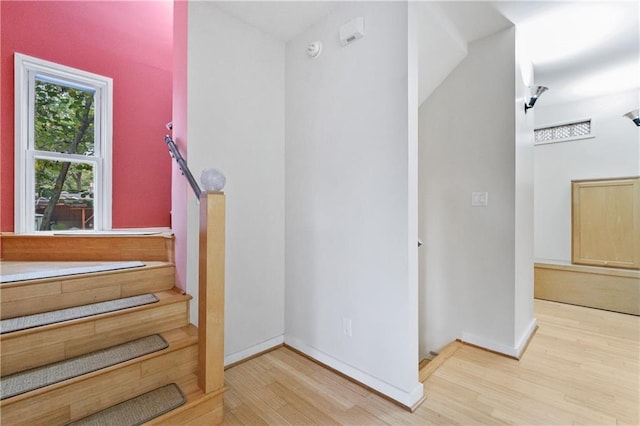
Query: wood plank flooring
(582, 367)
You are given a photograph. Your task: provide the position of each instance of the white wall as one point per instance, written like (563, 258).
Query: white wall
(472, 280)
(350, 246)
(438, 38)
(236, 123)
(524, 322)
(613, 152)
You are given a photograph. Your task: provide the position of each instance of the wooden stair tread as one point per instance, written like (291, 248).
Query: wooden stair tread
(164, 297)
(38, 346)
(18, 266)
(139, 409)
(41, 319)
(78, 397)
(177, 339)
(48, 294)
(195, 406)
(199, 409)
(35, 378)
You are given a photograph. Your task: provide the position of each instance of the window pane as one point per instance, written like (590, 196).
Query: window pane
(63, 118)
(64, 195)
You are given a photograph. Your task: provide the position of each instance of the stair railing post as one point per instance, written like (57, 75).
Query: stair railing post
(211, 292)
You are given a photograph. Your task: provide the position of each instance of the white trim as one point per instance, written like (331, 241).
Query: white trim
(489, 344)
(106, 120)
(574, 138)
(21, 111)
(526, 336)
(25, 68)
(253, 350)
(512, 351)
(408, 399)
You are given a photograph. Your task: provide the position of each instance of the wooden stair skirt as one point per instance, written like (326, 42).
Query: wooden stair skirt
(429, 366)
(80, 396)
(611, 289)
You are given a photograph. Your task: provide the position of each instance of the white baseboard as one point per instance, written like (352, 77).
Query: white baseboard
(408, 399)
(512, 351)
(526, 337)
(253, 350)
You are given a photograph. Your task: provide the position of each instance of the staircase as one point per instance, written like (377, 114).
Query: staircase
(63, 342)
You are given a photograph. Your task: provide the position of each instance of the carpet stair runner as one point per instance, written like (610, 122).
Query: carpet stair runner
(36, 378)
(38, 346)
(52, 317)
(96, 390)
(130, 381)
(138, 410)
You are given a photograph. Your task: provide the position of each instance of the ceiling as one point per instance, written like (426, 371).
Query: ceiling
(579, 49)
(282, 19)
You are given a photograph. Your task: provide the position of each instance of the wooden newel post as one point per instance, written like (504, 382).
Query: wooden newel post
(211, 292)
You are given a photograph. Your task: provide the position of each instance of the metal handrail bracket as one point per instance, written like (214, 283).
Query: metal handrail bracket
(182, 165)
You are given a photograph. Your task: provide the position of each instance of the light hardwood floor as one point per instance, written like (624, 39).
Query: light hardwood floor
(581, 367)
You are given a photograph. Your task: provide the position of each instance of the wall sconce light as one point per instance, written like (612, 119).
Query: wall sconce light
(634, 116)
(539, 90)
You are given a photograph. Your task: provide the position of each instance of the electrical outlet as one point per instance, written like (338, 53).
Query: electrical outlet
(347, 329)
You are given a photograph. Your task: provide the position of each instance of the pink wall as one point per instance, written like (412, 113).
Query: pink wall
(2, 173)
(180, 187)
(131, 42)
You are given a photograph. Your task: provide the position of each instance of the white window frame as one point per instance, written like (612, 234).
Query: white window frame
(26, 68)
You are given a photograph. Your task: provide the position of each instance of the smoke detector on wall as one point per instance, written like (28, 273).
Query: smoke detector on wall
(352, 31)
(314, 49)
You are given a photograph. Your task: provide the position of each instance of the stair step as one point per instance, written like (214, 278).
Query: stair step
(88, 247)
(36, 378)
(61, 315)
(58, 271)
(25, 349)
(138, 410)
(200, 408)
(48, 294)
(79, 397)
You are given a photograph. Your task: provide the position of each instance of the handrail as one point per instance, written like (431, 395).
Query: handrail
(182, 165)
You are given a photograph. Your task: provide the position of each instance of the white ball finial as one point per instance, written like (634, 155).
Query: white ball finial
(212, 180)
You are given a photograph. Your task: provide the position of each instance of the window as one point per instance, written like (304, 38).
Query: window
(563, 132)
(63, 147)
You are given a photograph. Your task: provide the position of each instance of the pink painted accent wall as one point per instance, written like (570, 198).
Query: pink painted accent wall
(129, 41)
(179, 187)
(1, 150)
